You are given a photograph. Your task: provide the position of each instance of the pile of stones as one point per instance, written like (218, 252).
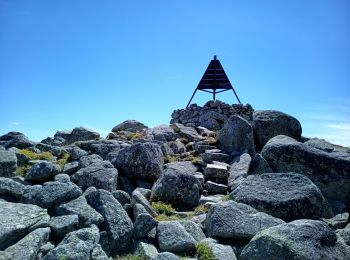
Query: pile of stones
(247, 186)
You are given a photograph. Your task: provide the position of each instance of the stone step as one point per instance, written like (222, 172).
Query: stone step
(215, 188)
(211, 198)
(201, 148)
(216, 171)
(209, 157)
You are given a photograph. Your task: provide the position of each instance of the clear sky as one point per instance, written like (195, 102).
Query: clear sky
(68, 63)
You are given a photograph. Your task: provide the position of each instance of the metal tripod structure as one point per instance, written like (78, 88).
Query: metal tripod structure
(214, 80)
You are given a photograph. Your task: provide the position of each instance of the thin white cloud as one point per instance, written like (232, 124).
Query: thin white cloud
(15, 123)
(340, 126)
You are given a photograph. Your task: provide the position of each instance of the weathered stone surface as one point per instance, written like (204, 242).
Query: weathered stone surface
(28, 247)
(86, 214)
(75, 153)
(62, 225)
(42, 171)
(300, 239)
(101, 175)
(11, 190)
(338, 221)
(8, 163)
(130, 126)
(344, 234)
(173, 237)
(239, 170)
(177, 146)
(215, 188)
(145, 250)
(137, 197)
(193, 229)
(141, 161)
(220, 252)
(77, 245)
(216, 171)
(116, 221)
(236, 221)
(320, 144)
(270, 123)
(329, 171)
(162, 133)
(61, 177)
(122, 197)
(70, 168)
(187, 132)
(16, 139)
(98, 253)
(16, 219)
(210, 156)
(184, 167)
(144, 223)
(211, 199)
(259, 165)
(236, 136)
(51, 194)
(87, 160)
(179, 189)
(288, 196)
(81, 134)
(165, 256)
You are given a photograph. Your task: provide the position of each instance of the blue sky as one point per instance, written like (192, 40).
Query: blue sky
(96, 63)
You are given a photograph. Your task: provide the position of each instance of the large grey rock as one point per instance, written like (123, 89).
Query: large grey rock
(137, 197)
(165, 256)
(215, 188)
(236, 221)
(270, 123)
(144, 250)
(288, 196)
(144, 223)
(130, 126)
(101, 175)
(70, 168)
(239, 170)
(42, 171)
(77, 245)
(212, 155)
(259, 165)
(329, 171)
(87, 160)
(236, 136)
(87, 215)
(179, 189)
(17, 219)
(51, 194)
(62, 225)
(174, 238)
(16, 139)
(98, 253)
(28, 247)
(75, 153)
(187, 132)
(162, 133)
(184, 167)
(344, 234)
(81, 134)
(193, 229)
(320, 144)
(141, 161)
(220, 252)
(8, 163)
(116, 221)
(11, 190)
(300, 239)
(122, 197)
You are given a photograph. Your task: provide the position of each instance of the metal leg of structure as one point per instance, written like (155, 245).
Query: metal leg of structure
(214, 92)
(191, 98)
(236, 95)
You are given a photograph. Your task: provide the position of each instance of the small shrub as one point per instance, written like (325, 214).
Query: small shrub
(135, 136)
(163, 208)
(211, 141)
(201, 209)
(226, 198)
(128, 257)
(204, 252)
(163, 217)
(37, 156)
(22, 170)
(62, 162)
(170, 158)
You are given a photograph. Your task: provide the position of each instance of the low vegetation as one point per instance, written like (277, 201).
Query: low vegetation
(177, 158)
(37, 156)
(128, 257)
(22, 170)
(64, 159)
(163, 208)
(201, 209)
(204, 252)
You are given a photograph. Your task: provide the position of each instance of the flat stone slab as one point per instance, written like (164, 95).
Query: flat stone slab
(216, 171)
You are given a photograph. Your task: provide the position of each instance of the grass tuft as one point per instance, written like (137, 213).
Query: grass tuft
(22, 170)
(37, 156)
(163, 208)
(204, 252)
(128, 257)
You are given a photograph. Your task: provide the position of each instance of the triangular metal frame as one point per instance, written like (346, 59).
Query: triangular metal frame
(214, 80)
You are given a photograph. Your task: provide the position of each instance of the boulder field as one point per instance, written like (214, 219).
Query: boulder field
(220, 182)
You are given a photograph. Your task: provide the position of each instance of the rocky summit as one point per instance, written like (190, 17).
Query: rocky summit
(220, 182)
